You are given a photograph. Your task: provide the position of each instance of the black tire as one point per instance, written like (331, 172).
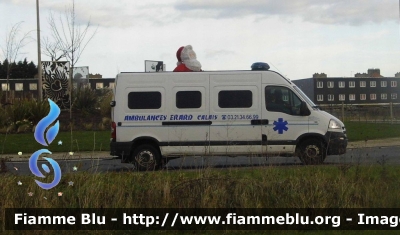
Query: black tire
(146, 157)
(312, 152)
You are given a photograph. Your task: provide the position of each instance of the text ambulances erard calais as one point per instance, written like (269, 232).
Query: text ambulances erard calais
(189, 117)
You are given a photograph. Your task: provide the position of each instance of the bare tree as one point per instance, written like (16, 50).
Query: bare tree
(52, 49)
(11, 50)
(68, 39)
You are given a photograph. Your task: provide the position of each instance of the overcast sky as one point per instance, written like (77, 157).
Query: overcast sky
(297, 38)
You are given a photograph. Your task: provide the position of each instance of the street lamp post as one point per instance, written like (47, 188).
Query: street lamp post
(40, 86)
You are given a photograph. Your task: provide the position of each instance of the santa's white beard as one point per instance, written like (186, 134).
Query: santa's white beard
(193, 65)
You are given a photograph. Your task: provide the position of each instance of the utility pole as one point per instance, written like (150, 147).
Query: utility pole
(39, 66)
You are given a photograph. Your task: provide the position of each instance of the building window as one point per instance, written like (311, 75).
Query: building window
(352, 84)
(144, 100)
(5, 87)
(19, 86)
(394, 96)
(235, 99)
(393, 83)
(342, 84)
(99, 85)
(112, 85)
(331, 84)
(363, 83)
(331, 97)
(32, 86)
(372, 96)
(363, 96)
(372, 83)
(383, 83)
(320, 97)
(384, 96)
(320, 84)
(188, 99)
(352, 97)
(342, 97)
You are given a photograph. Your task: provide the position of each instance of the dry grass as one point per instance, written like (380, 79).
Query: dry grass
(268, 187)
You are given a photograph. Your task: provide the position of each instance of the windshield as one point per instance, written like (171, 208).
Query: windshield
(305, 97)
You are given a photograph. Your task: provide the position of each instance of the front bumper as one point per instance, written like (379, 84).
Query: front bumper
(336, 143)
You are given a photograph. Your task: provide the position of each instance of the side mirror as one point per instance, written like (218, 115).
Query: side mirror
(304, 111)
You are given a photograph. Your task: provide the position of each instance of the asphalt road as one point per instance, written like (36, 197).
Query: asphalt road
(374, 155)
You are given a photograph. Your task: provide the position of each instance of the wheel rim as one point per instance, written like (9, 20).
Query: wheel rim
(145, 158)
(312, 151)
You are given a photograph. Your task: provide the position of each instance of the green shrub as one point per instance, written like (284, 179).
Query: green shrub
(2, 97)
(18, 113)
(23, 128)
(85, 100)
(38, 110)
(88, 126)
(104, 102)
(106, 121)
(4, 120)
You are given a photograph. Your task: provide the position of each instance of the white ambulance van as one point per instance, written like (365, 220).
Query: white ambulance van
(160, 116)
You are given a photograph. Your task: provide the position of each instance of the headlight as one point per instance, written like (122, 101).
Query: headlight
(334, 124)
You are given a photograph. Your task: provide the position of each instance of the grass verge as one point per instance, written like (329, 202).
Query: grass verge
(81, 141)
(270, 187)
(357, 131)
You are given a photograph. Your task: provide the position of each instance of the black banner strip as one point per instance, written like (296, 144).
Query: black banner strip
(202, 219)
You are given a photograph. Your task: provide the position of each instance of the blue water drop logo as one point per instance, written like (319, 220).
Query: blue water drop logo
(45, 122)
(46, 168)
(50, 136)
(35, 170)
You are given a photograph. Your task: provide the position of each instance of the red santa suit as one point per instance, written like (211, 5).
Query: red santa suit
(182, 68)
(187, 60)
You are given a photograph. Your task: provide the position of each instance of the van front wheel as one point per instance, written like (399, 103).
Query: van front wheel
(312, 152)
(146, 157)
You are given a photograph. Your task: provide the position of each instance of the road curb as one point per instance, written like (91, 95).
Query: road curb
(60, 156)
(389, 142)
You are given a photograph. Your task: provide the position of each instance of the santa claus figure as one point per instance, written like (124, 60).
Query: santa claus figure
(187, 60)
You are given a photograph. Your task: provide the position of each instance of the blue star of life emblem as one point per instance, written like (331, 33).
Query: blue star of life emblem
(280, 125)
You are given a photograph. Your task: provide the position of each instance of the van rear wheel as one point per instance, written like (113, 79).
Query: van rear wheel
(312, 152)
(146, 157)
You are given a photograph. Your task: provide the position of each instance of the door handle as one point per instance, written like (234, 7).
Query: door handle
(264, 137)
(259, 122)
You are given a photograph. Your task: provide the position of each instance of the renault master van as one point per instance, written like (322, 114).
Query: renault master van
(161, 116)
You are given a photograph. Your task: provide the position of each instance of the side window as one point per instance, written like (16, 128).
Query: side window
(188, 99)
(282, 99)
(235, 99)
(144, 100)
